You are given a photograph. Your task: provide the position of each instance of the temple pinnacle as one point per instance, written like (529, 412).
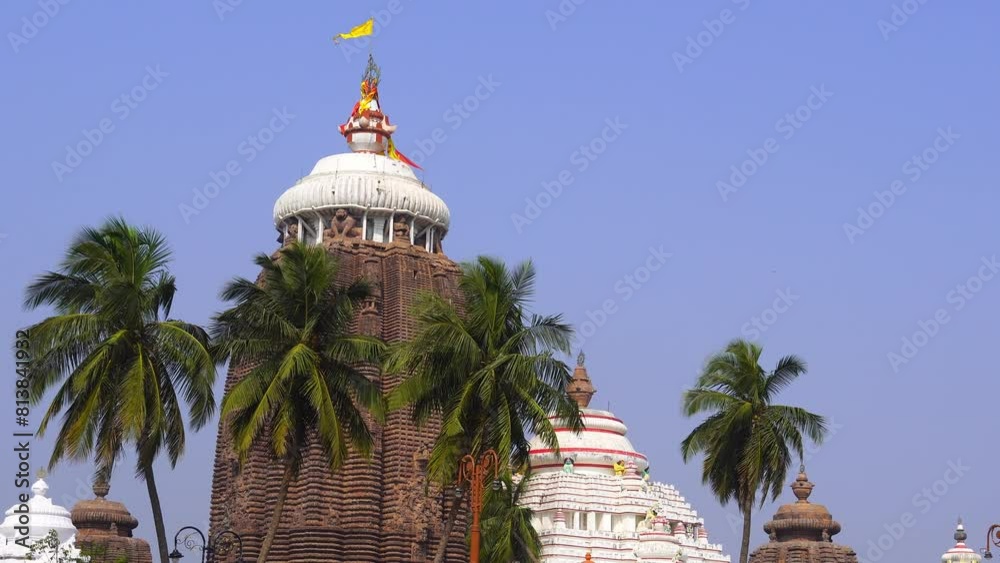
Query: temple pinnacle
(580, 388)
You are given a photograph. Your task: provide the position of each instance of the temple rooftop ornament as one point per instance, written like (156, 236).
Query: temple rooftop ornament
(960, 553)
(802, 531)
(581, 389)
(106, 525)
(44, 516)
(368, 194)
(592, 512)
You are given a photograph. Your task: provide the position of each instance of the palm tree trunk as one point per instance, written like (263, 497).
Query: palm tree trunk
(154, 504)
(747, 508)
(449, 526)
(279, 507)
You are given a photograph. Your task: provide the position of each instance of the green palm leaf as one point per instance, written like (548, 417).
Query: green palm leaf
(747, 443)
(487, 368)
(115, 360)
(306, 379)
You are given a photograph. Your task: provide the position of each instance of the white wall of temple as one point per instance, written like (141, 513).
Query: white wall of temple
(573, 545)
(605, 514)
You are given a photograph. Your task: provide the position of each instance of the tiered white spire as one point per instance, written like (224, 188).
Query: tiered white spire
(43, 516)
(596, 496)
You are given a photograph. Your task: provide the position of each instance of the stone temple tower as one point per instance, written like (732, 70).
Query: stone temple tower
(369, 210)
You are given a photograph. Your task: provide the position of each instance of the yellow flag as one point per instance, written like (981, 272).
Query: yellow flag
(362, 30)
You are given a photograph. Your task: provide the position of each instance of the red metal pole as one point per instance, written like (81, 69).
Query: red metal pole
(474, 473)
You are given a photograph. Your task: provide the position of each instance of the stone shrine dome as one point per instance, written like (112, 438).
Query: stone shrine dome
(802, 532)
(107, 525)
(960, 553)
(596, 496)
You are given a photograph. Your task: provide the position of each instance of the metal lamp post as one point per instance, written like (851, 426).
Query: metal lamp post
(992, 536)
(222, 543)
(475, 473)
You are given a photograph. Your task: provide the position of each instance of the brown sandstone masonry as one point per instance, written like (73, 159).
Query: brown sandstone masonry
(378, 510)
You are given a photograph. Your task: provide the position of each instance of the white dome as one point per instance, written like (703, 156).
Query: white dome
(594, 450)
(43, 515)
(362, 181)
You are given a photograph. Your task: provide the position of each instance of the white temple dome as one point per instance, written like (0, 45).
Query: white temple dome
(597, 496)
(596, 449)
(960, 553)
(369, 195)
(362, 181)
(44, 516)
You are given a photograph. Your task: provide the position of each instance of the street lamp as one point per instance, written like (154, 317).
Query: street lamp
(992, 536)
(222, 543)
(474, 473)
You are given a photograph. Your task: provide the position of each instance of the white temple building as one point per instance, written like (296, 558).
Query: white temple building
(596, 497)
(43, 517)
(960, 553)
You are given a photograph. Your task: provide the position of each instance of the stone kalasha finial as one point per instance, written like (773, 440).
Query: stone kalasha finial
(101, 487)
(581, 358)
(802, 520)
(42, 473)
(960, 535)
(802, 487)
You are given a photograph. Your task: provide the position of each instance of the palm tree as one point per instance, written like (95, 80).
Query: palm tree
(747, 441)
(293, 328)
(508, 534)
(487, 368)
(122, 369)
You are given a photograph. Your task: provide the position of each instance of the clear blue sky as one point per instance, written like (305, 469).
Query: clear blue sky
(849, 300)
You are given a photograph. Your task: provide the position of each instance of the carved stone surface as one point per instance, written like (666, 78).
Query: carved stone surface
(342, 225)
(802, 532)
(380, 509)
(293, 233)
(401, 229)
